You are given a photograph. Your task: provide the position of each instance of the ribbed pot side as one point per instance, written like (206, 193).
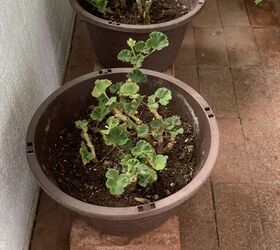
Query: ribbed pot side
(110, 38)
(70, 101)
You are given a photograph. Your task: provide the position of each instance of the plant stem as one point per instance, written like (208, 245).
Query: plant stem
(123, 117)
(86, 138)
(146, 14)
(123, 4)
(156, 114)
(169, 145)
(140, 7)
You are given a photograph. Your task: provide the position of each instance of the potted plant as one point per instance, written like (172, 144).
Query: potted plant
(111, 23)
(129, 151)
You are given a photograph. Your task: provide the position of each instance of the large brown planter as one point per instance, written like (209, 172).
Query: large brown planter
(71, 100)
(109, 38)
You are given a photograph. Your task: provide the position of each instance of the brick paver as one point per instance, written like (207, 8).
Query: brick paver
(269, 200)
(217, 88)
(232, 164)
(262, 138)
(263, 15)
(209, 16)
(188, 75)
(231, 55)
(253, 93)
(242, 47)
(268, 40)
(210, 47)
(239, 223)
(233, 13)
(187, 55)
(197, 220)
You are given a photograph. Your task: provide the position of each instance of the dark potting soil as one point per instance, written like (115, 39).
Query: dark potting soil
(87, 183)
(161, 11)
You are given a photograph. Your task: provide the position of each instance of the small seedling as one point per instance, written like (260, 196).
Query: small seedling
(142, 147)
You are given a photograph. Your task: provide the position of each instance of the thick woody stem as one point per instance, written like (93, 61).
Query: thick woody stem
(140, 7)
(169, 145)
(87, 139)
(146, 14)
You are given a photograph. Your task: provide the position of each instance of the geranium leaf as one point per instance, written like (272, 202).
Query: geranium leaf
(86, 155)
(160, 162)
(142, 47)
(157, 40)
(129, 89)
(117, 137)
(137, 76)
(172, 122)
(99, 113)
(156, 125)
(100, 87)
(137, 60)
(82, 124)
(142, 149)
(146, 175)
(164, 95)
(152, 103)
(114, 88)
(125, 55)
(142, 130)
(111, 101)
(116, 182)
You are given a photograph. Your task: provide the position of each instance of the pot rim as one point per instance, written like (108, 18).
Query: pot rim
(132, 212)
(137, 28)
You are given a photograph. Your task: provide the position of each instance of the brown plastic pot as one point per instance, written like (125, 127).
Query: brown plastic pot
(110, 38)
(70, 101)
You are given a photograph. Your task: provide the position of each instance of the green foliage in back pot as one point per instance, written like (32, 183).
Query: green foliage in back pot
(142, 147)
(143, 7)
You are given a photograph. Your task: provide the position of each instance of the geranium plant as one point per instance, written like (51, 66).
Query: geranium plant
(143, 7)
(142, 147)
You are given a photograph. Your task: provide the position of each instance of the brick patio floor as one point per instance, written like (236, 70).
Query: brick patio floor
(231, 55)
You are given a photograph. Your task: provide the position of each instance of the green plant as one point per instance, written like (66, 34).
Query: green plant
(142, 147)
(143, 7)
(257, 2)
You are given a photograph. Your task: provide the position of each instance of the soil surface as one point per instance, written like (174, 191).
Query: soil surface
(161, 11)
(87, 183)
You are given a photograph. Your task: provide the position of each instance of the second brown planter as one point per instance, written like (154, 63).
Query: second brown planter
(109, 38)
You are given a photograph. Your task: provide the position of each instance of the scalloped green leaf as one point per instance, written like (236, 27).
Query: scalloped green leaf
(137, 60)
(111, 101)
(112, 122)
(99, 113)
(82, 124)
(114, 88)
(101, 5)
(172, 122)
(174, 132)
(100, 87)
(125, 55)
(85, 154)
(156, 125)
(157, 40)
(129, 89)
(117, 137)
(131, 43)
(164, 95)
(141, 47)
(137, 76)
(146, 175)
(132, 106)
(142, 130)
(116, 182)
(142, 149)
(160, 162)
(152, 103)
